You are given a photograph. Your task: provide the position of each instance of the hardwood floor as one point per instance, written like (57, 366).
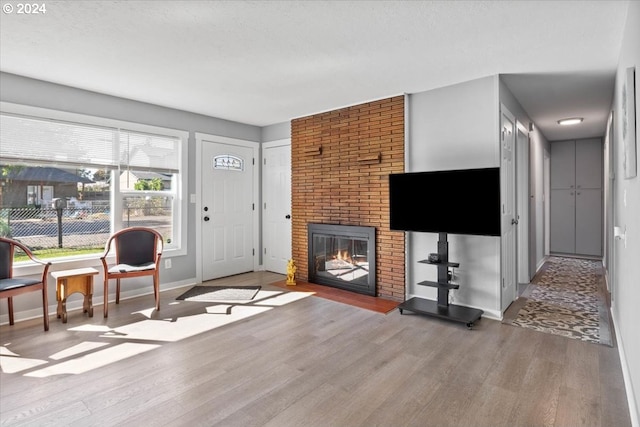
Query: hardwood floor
(379, 305)
(291, 359)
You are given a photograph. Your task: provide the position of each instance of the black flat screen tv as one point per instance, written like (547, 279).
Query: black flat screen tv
(465, 201)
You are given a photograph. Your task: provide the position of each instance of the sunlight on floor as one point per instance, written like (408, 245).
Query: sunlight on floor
(12, 363)
(77, 349)
(91, 354)
(284, 298)
(171, 330)
(94, 360)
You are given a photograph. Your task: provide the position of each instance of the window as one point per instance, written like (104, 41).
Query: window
(228, 162)
(68, 181)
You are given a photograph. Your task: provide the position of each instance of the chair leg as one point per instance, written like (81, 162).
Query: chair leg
(10, 302)
(45, 307)
(106, 296)
(117, 291)
(156, 290)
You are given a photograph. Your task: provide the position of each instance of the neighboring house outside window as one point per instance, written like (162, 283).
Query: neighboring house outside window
(105, 176)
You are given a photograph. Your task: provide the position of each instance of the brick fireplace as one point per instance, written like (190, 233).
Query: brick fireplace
(343, 256)
(340, 163)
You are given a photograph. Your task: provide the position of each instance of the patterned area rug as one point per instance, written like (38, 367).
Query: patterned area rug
(565, 298)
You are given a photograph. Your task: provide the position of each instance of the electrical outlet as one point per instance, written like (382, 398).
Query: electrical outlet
(167, 263)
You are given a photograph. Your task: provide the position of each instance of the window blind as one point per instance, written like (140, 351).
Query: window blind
(140, 151)
(28, 140)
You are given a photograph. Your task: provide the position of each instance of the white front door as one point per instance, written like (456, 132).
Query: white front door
(509, 220)
(226, 210)
(276, 194)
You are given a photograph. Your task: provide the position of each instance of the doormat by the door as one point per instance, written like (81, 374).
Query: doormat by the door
(220, 293)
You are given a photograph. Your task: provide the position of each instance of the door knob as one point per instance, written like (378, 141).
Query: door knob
(206, 218)
(514, 221)
(288, 216)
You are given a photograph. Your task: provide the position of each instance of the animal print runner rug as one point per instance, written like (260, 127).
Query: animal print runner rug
(565, 298)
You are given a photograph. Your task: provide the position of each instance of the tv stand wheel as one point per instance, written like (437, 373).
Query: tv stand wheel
(469, 325)
(400, 310)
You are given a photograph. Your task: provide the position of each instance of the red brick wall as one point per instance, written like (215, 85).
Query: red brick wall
(340, 166)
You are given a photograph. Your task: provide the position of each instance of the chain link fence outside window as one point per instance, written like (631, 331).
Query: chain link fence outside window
(73, 231)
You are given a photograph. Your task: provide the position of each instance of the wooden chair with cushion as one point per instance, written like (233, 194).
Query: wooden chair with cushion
(11, 286)
(137, 251)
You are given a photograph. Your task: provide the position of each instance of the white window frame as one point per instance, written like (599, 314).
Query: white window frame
(179, 192)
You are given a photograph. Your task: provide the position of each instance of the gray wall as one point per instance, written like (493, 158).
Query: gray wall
(455, 127)
(26, 91)
(626, 264)
(276, 132)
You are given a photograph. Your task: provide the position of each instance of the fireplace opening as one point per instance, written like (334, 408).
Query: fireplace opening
(343, 256)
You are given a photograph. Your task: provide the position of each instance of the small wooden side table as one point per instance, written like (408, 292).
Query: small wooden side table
(71, 281)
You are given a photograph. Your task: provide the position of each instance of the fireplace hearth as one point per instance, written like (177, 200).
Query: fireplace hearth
(343, 256)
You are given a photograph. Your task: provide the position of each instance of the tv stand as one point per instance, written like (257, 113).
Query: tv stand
(441, 308)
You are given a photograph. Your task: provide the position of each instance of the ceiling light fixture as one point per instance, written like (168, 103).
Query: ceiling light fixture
(571, 121)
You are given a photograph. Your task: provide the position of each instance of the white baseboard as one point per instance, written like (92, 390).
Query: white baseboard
(631, 398)
(76, 303)
(540, 264)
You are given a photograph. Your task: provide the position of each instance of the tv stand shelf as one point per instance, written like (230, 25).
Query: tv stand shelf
(441, 308)
(447, 285)
(448, 264)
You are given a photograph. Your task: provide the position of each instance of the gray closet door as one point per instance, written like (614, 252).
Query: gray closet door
(563, 229)
(576, 197)
(589, 163)
(563, 164)
(589, 221)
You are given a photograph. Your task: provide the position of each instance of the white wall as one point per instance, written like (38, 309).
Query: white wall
(455, 127)
(627, 214)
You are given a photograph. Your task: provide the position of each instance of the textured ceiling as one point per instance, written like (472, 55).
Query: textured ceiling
(267, 62)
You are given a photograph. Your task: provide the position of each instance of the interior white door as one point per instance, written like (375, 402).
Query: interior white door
(547, 205)
(523, 197)
(509, 220)
(536, 217)
(227, 210)
(276, 193)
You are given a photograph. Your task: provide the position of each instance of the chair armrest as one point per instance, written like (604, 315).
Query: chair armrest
(32, 257)
(107, 249)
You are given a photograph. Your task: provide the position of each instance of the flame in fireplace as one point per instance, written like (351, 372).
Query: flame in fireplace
(343, 256)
